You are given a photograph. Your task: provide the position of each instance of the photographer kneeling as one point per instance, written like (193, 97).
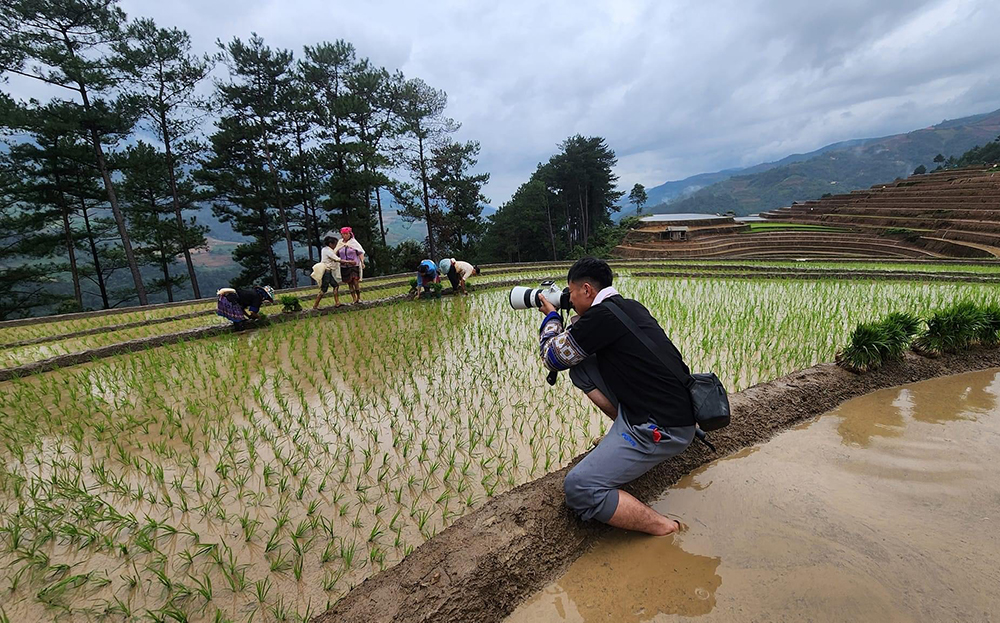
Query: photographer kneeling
(651, 409)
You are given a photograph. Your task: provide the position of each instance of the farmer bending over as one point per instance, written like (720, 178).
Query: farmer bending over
(427, 273)
(457, 272)
(242, 305)
(650, 408)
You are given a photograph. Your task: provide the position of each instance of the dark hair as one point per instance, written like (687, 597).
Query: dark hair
(422, 269)
(475, 269)
(590, 269)
(329, 239)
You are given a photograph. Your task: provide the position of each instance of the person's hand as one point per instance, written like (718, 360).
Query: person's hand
(545, 306)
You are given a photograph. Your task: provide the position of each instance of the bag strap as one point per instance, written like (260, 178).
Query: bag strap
(672, 366)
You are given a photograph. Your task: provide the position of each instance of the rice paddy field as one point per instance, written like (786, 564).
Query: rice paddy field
(259, 476)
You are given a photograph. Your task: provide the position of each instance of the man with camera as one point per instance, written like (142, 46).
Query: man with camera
(650, 407)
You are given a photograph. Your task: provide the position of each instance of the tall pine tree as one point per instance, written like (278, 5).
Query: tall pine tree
(164, 75)
(64, 43)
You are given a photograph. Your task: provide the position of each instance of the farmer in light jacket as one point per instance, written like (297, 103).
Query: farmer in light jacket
(328, 271)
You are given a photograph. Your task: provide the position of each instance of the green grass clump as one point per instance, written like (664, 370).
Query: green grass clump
(290, 303)
(957, 327)
(874, 343)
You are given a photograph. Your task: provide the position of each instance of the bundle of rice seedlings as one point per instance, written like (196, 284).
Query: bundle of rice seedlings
(899, 328)
(872, 344)
(952, 329)
(989, 330)
(864, 352)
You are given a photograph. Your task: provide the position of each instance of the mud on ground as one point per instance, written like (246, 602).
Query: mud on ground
(486, 563)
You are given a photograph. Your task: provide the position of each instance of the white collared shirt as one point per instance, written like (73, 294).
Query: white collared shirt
(603, 294)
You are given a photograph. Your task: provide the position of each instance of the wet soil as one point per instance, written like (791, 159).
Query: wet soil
(486, 563)
(876, 511)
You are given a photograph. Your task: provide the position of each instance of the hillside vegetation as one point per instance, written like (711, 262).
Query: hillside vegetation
(850, 166)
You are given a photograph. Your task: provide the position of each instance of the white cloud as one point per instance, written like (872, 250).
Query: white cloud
(677, 87)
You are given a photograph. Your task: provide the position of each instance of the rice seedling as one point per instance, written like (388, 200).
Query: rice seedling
(315, 452)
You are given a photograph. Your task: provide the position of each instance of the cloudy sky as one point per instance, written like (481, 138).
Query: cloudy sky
(676, 87)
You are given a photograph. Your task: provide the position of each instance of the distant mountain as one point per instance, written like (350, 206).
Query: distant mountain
(836, 168)
(671, 191)
(399, 229)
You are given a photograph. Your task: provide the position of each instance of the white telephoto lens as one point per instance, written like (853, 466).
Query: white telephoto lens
(523, 298)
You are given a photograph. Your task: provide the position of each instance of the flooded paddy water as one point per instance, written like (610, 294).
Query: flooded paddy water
(884, 509)
(262, 475)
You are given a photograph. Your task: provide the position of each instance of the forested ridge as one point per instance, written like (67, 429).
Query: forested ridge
(102, 182)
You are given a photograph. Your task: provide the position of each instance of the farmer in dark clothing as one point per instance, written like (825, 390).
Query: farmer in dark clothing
(239, 306)
(651, 409)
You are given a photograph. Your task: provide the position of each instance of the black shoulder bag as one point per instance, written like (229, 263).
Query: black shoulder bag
(709, 401)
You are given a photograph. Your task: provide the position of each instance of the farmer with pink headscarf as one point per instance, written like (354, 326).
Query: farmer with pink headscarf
(352, 261)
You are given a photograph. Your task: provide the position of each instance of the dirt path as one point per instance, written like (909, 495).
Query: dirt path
(994, 251)
(481, 567)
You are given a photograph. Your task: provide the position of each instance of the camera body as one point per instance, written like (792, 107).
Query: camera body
(525, 298)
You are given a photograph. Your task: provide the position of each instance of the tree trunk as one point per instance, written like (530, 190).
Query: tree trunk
(70, 244)
(160, 246)
(102, 165)
(177, 207)
(548, 216)
(427, 197)
(165, 268)
(381, 223)
(569, 229)
(106, 304)
(292, 272)
(312, 232)
(315, 220)
(133, 267)
(271, 261)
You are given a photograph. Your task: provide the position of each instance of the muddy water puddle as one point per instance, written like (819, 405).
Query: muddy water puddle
(881, 510)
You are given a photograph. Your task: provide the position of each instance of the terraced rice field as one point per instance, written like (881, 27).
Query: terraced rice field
(259, 476)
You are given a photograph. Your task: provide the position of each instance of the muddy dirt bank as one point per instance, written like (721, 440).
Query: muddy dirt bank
(481, 567)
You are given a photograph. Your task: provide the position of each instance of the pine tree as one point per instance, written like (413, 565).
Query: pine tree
(236, 181)
(303, 166)
(164, 75)
(150, 199)
(326, 70)
(64, 43)
(581, 177)
(44, 168)
(424, 126)
(638, 197)
(258, 94)
(458, 196)
(378, 98)
(22, 282)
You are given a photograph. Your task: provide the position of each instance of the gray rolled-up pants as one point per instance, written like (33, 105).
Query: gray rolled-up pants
(626, 452)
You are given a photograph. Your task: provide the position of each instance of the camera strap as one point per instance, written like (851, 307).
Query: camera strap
(672, 366)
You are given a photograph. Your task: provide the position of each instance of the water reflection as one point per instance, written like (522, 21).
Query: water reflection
(879, 511)
(937, 401)
(634, 579)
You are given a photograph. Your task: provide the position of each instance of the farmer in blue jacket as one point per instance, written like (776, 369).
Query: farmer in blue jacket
(427, 273)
